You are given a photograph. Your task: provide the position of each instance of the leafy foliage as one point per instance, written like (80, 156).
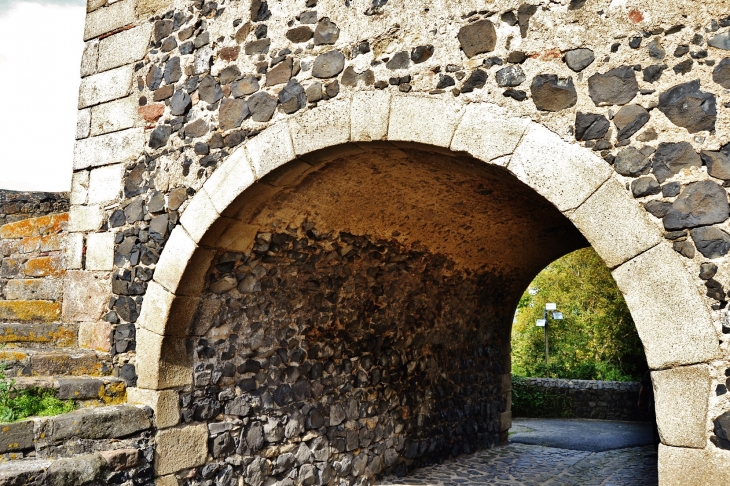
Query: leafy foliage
(597, 339)
(528, 401)
(18, 404)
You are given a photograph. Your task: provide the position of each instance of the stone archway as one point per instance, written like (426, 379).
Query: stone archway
(672, 320)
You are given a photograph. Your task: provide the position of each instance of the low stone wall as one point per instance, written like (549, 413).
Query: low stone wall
(608, 400)
(18, 205)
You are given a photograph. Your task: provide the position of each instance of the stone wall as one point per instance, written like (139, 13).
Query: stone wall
(605, 400)
(33, 240)
(332, 357)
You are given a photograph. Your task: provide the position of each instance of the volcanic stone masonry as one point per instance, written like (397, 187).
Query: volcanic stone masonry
(173, 91)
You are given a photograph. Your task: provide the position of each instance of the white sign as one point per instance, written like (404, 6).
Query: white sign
(551, 306)
(540, 322)
(558, 316)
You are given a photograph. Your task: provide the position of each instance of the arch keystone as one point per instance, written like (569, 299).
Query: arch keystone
(369, 116)
(672, 321)
(487, 132)
(562, 173)
(424, 120)
(614, 224)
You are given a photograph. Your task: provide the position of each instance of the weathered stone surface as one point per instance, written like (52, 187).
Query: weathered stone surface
(579, 59)
(260, 46)
(209, 90)
(232, 113)
(718, 164)
(85, 295)
(280, 74)
(328, 65)
(292, 98)
(82, 469)
(631, 162)
(645, 186)
(477, 38)
(181, 448)
(510, 76)
(720, 41)
(711, 241)
(672, 158)
(629, 120)
(700, 203)
(16, 436)
(299, 34)
(422, 53)
(326, 32)
(112, 422)
(687, 106)
(590, 126)
(721, 73)
(615, 87)
(476, 80)
(681, 404)
(229, 74)
(196, 129)
(262, 106)
(550, 93)
(246, 86)
(400, 60)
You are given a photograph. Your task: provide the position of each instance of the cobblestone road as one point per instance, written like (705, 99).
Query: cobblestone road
(535, 465)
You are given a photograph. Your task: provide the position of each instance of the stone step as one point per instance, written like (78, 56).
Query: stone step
(21, 361)
(87, 391)
(29, 335)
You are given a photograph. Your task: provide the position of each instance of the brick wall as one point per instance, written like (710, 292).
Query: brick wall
(32, 238)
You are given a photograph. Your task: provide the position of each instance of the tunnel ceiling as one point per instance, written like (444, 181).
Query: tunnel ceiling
(478, 215)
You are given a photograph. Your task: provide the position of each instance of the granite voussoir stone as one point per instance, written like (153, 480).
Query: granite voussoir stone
(551, 93)
(615, 87)
(477, 38)
(700, 203)
(688, 107)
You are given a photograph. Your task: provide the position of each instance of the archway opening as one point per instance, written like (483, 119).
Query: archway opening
(357, 311)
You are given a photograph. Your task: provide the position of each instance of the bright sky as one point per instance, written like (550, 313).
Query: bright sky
(40, 53)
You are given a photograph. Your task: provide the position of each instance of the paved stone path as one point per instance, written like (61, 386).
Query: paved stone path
(541, 463)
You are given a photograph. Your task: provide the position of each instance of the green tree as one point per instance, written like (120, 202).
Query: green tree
(596, 340)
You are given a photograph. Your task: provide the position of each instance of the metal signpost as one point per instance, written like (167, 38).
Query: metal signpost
(558, 316)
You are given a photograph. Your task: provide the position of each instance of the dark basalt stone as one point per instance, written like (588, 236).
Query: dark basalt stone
(280, 74)
(718, 164)
(326, 32)
(631, 162)
(707, 270)
(658, 209)
(229, 74)
(524, 14)
(180, 103)
(246, 86)
(720, 41)
(232, 113)
(721, 73)
(700, 203)
(445, 81)
(715, 290)
(510, 76)
(262, 106)
(590, 126)
(711, 241)
(683, 67)
(656, 51)
(260, 46)
(645, 186)
(684, 248)
(477, 38)
(196, 129)
(688, 107)
(550, 93)
(579, 59)
(173, 71)
(292, 97)
(400, 60)
(422, 53)
(672, 189)
(209, 90)
(615, 87)
(671, 158)
(654, 72)
(328, 65)
(300, 34)
(629, 120)
(160, 136)
(515, 94)
(476, 80)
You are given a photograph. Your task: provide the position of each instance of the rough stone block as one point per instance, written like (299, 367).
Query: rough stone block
(81, 469)
(165, 314)
(229, 180)
(681, 395)
(198, 216)
(112, 422)
(96, 336)
(106, 86)
(487, 132)
(270, 149)
(614, 224)
(168, 480)
(168, 361)
(16, 436)
(430, 121)
(164, 404)
(125, 47)
(147, 8)
(676, 328)
(505, 421)
(29, 310)
(85, 218)
(109, 18)
(109, 149)
(114, 116)
(42, 225)
(121, 459)
(83, 123)
(562, 173)
(34, 289)
(105, 184)
(44, 266)
(180, 448)
(174, 259)
(85, 295)
(680, 466)
(100, 251)
(369, 116)
(79, 188)
(79, 388)
(324, 126)
(74, 251)
(89, 58)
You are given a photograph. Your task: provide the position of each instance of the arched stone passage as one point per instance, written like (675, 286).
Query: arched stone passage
(672, 320)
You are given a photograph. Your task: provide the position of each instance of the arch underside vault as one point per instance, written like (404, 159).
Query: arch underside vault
(467, 202)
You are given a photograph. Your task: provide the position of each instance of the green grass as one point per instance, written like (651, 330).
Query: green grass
(18, 404)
